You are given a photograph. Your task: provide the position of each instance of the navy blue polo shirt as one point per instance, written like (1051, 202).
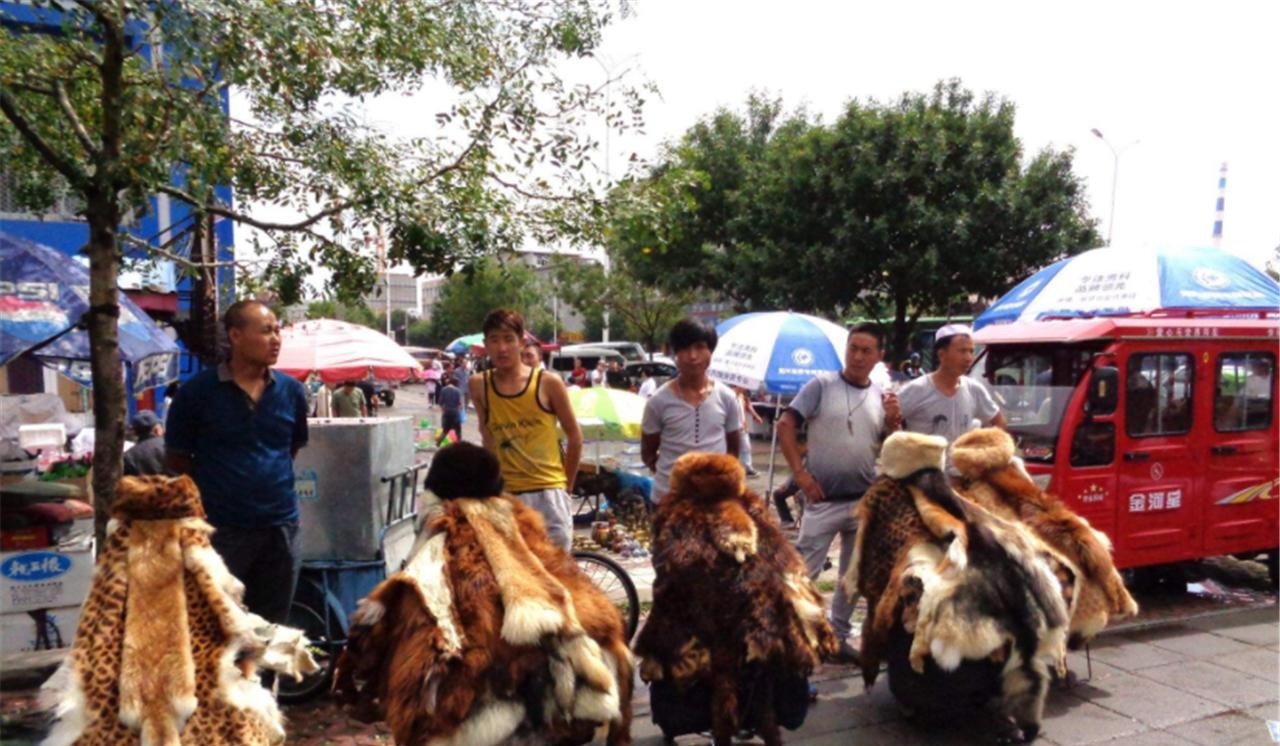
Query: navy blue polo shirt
(241, 453)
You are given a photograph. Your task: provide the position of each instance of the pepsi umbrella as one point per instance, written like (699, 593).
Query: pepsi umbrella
(1119, 282)
(43, 295)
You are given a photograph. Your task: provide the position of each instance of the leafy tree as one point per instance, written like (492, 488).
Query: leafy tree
(95, 112)
(467, 296)
(688, 225)
(419, 333)
(897, 210)
(647, 311)
(1273, 265)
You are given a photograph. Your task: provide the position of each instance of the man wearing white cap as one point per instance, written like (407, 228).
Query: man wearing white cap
(947, 402)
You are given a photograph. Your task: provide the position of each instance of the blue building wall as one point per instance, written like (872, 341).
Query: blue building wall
(70, 235)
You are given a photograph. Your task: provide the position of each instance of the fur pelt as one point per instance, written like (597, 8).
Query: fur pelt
(490, 635)
(992, 478)
(715, 541)
(965, 584)
(164, 653)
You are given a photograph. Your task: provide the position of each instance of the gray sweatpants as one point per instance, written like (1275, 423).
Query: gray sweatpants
(818, 528)
(556, 508)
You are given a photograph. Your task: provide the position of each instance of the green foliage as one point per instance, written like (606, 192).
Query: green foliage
(467, 296)
(898, 210)
(91, 111)
(638, 309)
(419, 333)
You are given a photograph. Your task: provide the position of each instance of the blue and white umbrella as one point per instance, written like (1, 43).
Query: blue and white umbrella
(1121, 282)
(777, 350)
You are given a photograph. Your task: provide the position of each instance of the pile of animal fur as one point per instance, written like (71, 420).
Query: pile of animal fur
(969, 598)
(491, 634)
(992, 477)
(164, 654)
(732, 600)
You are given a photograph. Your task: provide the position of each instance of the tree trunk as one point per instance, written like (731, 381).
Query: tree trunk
(104, 360)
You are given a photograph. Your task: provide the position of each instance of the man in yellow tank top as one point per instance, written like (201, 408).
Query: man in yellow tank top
(517, 408)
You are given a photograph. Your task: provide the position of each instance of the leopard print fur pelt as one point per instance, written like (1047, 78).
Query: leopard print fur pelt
(164, 654)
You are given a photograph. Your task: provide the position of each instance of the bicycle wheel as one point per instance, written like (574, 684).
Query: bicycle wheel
(612, 579)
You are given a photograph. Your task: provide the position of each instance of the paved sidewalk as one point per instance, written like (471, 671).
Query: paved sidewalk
(1210, 681)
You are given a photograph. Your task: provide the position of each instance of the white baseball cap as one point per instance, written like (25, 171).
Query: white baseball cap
(952, 330)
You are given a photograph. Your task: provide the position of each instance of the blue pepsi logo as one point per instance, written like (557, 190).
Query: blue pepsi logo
(31, 567)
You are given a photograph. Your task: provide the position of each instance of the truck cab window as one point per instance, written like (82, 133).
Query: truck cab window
(1158, 394)
(1244, 396)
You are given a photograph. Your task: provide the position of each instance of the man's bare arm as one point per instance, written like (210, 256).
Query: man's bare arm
(558, 398)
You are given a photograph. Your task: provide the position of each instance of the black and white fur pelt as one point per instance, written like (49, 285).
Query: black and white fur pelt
(993, 596)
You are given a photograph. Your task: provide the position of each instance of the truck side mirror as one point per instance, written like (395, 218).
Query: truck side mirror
(1104, 390)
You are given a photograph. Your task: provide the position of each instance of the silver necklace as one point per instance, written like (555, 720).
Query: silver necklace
(852, 410)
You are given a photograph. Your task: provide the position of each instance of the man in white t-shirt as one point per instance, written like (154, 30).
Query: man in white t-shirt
(947, 402)
(648, 384)
(691, 412)
(848, 416)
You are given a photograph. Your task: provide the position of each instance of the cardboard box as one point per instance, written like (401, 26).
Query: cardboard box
(45, 578)
(20, 632)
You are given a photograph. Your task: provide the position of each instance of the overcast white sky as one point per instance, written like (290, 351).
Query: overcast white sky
(1197, 85)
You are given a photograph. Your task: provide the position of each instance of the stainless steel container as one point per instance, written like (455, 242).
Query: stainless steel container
(338, 476)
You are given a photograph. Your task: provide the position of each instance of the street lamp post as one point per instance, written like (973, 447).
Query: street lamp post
(1115, 177)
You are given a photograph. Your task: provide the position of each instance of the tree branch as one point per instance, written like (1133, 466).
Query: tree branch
(64, 102)
(68, 169)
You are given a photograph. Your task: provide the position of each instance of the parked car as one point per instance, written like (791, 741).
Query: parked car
(630, 351)
(562, 361)
(660, 371)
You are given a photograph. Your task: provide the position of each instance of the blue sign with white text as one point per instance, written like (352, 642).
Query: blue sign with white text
(32, 567)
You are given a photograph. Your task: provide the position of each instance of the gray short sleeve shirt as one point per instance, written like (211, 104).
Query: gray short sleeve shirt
(845, 423)
(686, 429)
(926, 410)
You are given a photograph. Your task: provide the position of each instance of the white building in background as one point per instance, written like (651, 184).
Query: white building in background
(402, 287)
(429, 293)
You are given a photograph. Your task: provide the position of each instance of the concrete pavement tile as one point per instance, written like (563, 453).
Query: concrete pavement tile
(1132, 655)
(1149, 738)
(1256, 626)
(1154, 704)
(1224, 729)
(1191, 643)
(1213, 682)
(1071, 722)
(1269, 711)
(1260, 662)
(1079, 665)
(914, 734)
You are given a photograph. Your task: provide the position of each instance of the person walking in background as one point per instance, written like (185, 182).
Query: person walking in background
(348, 401)
(691, 412)
(236, 430)
(600, 376)
(847, 417)
(518, 408)
(531, 354)
(370, 393)
(451, 401)
(461, 377)
(749, 415)
(147, 454)
(648, 384)
(947, 402)
(579, 375)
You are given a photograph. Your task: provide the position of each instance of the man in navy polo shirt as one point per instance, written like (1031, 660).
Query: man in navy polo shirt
(235, 429)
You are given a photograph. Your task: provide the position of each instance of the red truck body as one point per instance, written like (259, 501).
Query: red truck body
(1181, 460)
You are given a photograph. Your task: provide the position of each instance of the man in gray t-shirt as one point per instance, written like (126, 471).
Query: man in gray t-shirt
(947, 402)
(691, 412)
(847, 418)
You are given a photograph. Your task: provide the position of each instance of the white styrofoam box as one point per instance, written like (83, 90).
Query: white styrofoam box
(20, 633)
(45, 578)
(42, 435)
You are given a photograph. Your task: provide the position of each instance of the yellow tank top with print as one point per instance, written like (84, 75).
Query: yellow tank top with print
(524, 437)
